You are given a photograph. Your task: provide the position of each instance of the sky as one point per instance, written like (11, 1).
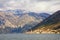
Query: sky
(31, 5)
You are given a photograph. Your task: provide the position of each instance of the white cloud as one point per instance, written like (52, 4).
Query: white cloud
(32, 5)
(55, 8)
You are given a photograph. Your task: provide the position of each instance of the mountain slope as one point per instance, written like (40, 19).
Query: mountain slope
(39, 15)
(11, 22)
(49, 25)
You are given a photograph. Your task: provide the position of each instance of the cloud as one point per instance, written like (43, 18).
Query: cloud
(54, 8)
(31, 5)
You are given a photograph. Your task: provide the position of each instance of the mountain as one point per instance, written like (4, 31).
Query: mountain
(19, 12)
(31, 22)
(49, 25)
(39, 15)
(14, 21)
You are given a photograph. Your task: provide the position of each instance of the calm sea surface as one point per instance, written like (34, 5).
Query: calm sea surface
(29, 36)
